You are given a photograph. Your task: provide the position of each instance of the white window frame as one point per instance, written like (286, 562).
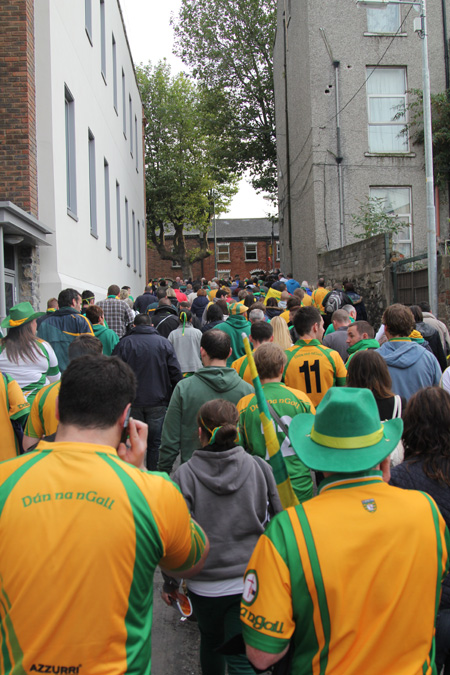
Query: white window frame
(88, 19)
(114, 65)
(223, 273)
(139, 246)
(277, 249)
(136, 142)
(119, 222)
(107, 204)
(133, 224)
(103, 38)
(392, 12)
(225, 254)
(124, 105)
(388, 123)
(92, 185)
(71, 165)
(127, 232)
(130, 105)
(246, 249)
(400, 240)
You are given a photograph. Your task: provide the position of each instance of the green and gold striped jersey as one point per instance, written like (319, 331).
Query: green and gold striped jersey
(313, 369)
(81, 533)
(352, 577)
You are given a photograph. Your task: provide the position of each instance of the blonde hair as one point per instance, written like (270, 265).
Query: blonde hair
(281, 335)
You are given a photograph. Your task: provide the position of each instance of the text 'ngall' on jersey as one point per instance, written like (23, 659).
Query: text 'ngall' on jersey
(313, 369)
(76, 587)
(352, 578)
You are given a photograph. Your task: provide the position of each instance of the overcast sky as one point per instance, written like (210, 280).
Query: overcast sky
(151, 39)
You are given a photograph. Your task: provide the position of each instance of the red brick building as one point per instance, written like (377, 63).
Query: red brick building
(243, 245)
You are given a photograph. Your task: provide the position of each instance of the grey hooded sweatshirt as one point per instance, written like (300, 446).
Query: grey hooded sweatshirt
(227, 493)
(180, 429)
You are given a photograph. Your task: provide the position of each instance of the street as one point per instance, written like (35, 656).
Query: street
(175, 643)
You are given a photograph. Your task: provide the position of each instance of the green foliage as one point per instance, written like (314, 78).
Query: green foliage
(372, 219)
(183, 174)
(228, 44)
(440, 115)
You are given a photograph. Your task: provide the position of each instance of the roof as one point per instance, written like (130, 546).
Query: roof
(236, 228)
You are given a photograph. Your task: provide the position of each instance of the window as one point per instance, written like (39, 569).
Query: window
(127, 232)
(107, 204)
(103, 38)
(88, 18)
(114, 65)
(71, 184)
(136, 145)
(385, 19)
(251, 252)
(130, 105)
(223, 274)
(139, 247)
(124, 106)
(119, 224)
(176, 264)
(92, 184)
(386, 92)
(277, 248)
(223, 253)
(133, 225)
(397, 201)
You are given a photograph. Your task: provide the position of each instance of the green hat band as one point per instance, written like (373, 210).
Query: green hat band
(348, 443)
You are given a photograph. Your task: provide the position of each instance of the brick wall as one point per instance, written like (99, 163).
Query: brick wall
(18, 161)
(364, 264)
(205, 268)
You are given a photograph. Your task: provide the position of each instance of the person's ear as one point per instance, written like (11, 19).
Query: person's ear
(230, 353)
(271, 338)
(385, 467)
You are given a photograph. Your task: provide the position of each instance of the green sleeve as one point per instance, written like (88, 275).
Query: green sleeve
(171, 433)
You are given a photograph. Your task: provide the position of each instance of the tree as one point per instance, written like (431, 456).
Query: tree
(373, 219)
(228, 44)
(184, 177)
(440, 114)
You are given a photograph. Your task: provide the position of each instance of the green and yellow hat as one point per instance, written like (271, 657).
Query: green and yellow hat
(237, 308)
(19, 315)
(346, 434)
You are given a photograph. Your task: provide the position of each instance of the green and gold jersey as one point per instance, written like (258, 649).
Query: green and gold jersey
(76, 587)
(287, 403)
(42, 418)
(340, 574)
(313, 369)
(13, 405)
(317, 297)
(243, 369)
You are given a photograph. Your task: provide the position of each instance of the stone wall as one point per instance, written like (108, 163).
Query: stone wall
(29, 271)
(444, 289)
(365, 264)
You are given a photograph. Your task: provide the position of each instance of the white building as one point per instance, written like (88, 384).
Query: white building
(85, 183)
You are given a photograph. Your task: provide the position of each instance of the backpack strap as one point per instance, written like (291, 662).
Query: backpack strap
(397, 407)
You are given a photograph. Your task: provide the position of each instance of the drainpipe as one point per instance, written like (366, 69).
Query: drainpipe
(288, 152)
(339, 156)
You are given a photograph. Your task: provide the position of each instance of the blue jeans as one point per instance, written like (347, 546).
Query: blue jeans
(154, 417)
(443, 641)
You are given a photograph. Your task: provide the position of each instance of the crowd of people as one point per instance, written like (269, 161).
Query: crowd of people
(103, 400)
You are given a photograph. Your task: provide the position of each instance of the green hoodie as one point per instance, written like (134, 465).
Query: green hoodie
(361, 346)
(180, 429)
(235, 326)
(107, 337)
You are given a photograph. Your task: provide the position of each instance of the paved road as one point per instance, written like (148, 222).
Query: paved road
(175, 643)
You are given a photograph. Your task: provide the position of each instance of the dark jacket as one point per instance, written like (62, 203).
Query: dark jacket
(61, 328)
(410, 476)
(431, 335)
(153, 360)
(199, 304)
(143, 301)
(167, 316)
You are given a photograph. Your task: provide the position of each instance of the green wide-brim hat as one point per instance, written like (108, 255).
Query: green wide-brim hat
(346, 434)
(19, 315)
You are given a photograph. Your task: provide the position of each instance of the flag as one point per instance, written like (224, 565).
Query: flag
(276, 459)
